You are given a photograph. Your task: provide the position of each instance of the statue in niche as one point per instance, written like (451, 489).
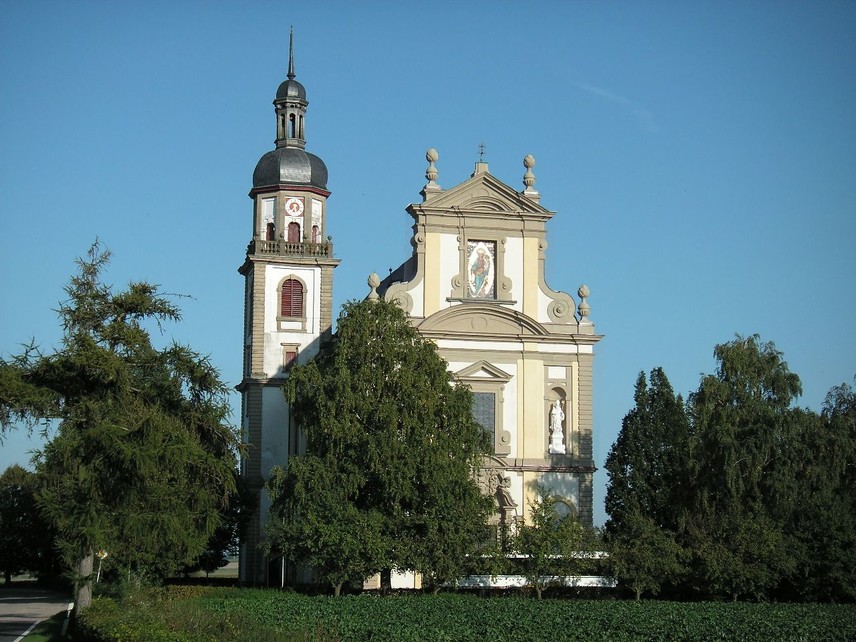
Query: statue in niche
(557, 433)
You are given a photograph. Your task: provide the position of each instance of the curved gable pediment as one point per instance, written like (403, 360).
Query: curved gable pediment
(485, 193)
(481, 319)
(486, 204)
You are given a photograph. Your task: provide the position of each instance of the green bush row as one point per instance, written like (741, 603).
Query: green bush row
(221, 614)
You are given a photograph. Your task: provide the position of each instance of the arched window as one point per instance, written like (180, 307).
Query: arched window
(316, 234)
(292, 126)
(292, 299)
(294, 232)
(271, 232)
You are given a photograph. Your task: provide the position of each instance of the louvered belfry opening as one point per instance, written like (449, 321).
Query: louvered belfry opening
(292, 298)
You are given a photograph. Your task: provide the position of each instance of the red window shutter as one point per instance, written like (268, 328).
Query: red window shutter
(292, 298)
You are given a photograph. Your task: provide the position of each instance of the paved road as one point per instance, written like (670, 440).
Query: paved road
(21, 607)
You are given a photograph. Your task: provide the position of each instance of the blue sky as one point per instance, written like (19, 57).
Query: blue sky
(700, 157)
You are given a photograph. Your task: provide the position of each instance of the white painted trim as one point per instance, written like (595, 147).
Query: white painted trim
(519, 581)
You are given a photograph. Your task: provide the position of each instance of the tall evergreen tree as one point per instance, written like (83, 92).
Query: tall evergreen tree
(386, 426)
(647, 462)
(142, 460)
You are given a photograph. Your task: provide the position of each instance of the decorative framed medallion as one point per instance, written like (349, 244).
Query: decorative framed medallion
(481, 269)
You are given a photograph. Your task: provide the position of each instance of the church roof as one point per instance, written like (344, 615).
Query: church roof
(290, 88)
(289, 163)
(290, 166)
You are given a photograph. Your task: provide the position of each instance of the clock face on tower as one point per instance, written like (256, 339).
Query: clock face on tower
(294, 206)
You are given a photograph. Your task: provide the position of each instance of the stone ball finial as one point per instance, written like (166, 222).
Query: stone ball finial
(373, 282)
(529, 176)
(431, 173)
(583, 307)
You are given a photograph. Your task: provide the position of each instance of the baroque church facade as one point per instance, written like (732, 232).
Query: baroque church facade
(474, 285)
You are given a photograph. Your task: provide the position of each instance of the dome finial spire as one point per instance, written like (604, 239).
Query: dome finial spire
(291, 54)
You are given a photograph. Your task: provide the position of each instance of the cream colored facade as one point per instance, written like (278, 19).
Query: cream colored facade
(475, 286)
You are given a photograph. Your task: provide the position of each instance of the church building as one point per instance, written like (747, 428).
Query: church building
(474, 285)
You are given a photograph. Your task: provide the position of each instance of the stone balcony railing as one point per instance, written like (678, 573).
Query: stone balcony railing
(287, 248)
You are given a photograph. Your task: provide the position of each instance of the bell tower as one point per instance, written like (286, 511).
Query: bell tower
(288, 303)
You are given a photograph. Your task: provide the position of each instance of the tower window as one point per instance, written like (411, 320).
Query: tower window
(292, 126)
(316, 234)
(292, 299)
(289, 355)
(270, 232)
(294, 232)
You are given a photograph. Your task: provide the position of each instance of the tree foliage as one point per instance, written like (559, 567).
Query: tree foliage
(392, 443)
(26, 540)
(225, 541)
(552, 545)
(315, 523)
(824, 510)
(142, 460)
(647, 464)
(757, 491)
(744, 430)
(644, 556)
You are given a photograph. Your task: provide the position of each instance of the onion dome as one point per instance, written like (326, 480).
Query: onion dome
(289, 163)
(291, 89)
(290, 166)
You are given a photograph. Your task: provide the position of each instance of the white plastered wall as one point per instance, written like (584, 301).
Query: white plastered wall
(275, 434)
(293, 332)
(274, 444)
(514, 270)
(562, 485)
(543, 304)
(449, 267)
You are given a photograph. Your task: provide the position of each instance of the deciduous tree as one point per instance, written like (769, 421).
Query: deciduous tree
(389, 428)
(643, 555)
(823, 510)
(743, 433)
(26, 540)
(316, 523)
(552, 546)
